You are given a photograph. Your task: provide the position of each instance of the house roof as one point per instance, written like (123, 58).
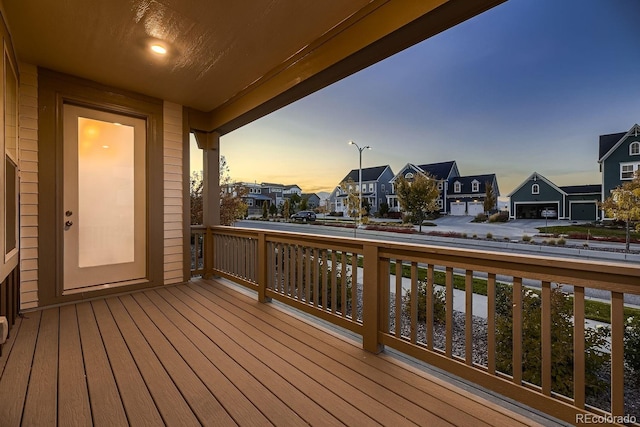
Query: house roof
(609, 143)
(467, 181)
(582, 189)
(536, 176)
(440, 170)
(229, 62)
(368, 174)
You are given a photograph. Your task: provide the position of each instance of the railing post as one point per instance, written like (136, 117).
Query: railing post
(262, 268)
(371, 299)
(208, 253)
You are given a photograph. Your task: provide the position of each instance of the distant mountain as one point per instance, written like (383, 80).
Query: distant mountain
(324, 195)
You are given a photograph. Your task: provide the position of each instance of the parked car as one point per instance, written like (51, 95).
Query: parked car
(549, 213)
(304, 216)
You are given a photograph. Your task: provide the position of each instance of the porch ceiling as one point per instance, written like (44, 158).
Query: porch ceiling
(235, 60)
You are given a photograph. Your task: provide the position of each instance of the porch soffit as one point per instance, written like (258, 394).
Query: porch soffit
(236, 61)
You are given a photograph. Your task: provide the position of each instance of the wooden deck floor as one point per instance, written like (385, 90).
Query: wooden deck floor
(205, 354)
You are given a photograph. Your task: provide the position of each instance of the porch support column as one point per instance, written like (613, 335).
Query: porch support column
(209, 142)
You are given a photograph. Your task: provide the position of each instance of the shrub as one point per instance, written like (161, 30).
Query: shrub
(502, 216)
(489, 236)
(632, 344)
(562, 241)
(552, 242)
(561, 341)
(526, 238)
(439, 304)
(480, 218)
(475, 236)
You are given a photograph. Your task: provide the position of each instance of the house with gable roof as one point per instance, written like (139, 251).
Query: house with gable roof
(375, 188)
(539, 198)
(442, 172)
(619, 158)
(466, 194)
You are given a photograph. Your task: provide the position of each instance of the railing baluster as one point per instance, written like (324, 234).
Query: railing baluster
(517, 330)
(316, 277)
(334, 281)
(354, 285)
(491, 323)
(545, 336)
(307, 289)
(325, 279)
(385, 291)
(617, 353)
(300, 270)
(468, 323)
(398, 299)
(429, 307)
(414, 302)
(578, 347)
(448, 348)
(343, 285)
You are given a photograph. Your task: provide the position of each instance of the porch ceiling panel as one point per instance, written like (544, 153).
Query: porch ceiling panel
(227, 58)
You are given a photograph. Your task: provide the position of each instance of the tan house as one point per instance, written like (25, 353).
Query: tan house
(100, 98)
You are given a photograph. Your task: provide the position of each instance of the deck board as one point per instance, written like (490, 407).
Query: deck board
(41, 406)
(206, 354)
(106, 404)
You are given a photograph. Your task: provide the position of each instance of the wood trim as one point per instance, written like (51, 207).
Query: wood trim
(55, 89)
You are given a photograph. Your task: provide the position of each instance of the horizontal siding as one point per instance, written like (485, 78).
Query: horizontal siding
(173, 194)
(28, 159)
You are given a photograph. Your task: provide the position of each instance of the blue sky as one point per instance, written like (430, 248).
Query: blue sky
(527, 86)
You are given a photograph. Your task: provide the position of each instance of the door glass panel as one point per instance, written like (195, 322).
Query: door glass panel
(106, 226)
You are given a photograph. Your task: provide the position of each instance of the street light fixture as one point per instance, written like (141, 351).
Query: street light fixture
(360, 150)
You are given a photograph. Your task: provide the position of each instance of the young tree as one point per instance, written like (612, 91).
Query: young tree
(304, 204)
(294, 201)
(265, 212)
(624, 205)
(490, 198)
(286, 209)
(232, 206)
(418, 197)
(195, 193)
(273, 209)
(352, 200)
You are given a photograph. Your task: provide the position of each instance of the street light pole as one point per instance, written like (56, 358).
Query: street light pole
(360, 150)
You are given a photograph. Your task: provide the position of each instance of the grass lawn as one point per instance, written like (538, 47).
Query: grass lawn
(581, 231)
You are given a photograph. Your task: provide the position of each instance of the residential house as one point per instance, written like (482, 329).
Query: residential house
(443, 172)
(619, 158)
(537, 198)
(375, 188)
(289, 190)
(467, 194)
(313, 200)
(275, 192)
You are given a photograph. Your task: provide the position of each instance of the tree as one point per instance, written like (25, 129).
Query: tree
(196, 185)
(352, 200)
(265, 212)
(624, 205)
(304, 204)
(490, 198)
(286, 209)
(273, 209)
(418, 197)
(232, 206)
(294, 201)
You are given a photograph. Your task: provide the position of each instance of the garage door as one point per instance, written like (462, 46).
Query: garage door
(475, 208)
(458, 208)
(584, 211)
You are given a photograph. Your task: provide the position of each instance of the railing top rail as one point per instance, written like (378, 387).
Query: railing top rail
(615, 276)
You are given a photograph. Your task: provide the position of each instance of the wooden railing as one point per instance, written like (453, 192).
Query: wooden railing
(10, 298)
(403, 296)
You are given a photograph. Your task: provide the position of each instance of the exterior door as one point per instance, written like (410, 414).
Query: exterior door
(104, 200)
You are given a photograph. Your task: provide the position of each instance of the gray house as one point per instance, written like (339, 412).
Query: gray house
(619, 158)
(375, 188)
(466, 194)
(313, 200)
(539, 198)
(443, 172)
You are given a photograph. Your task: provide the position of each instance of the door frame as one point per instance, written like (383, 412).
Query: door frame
(55, 90)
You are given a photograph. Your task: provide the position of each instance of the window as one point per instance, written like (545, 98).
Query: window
(457, 187)
(382, 188)
(628, 169)
(440, 185)
(634, 148)
(535, 189)
(408, 175)
(475, 186)
(11, 158)
(371, 187)
(439, 203)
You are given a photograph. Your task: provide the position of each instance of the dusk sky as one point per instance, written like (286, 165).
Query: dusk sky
(527, 86)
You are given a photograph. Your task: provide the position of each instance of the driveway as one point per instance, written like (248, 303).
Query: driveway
(514, 229)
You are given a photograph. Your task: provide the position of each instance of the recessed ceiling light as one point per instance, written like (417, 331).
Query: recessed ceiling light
(160, 50)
